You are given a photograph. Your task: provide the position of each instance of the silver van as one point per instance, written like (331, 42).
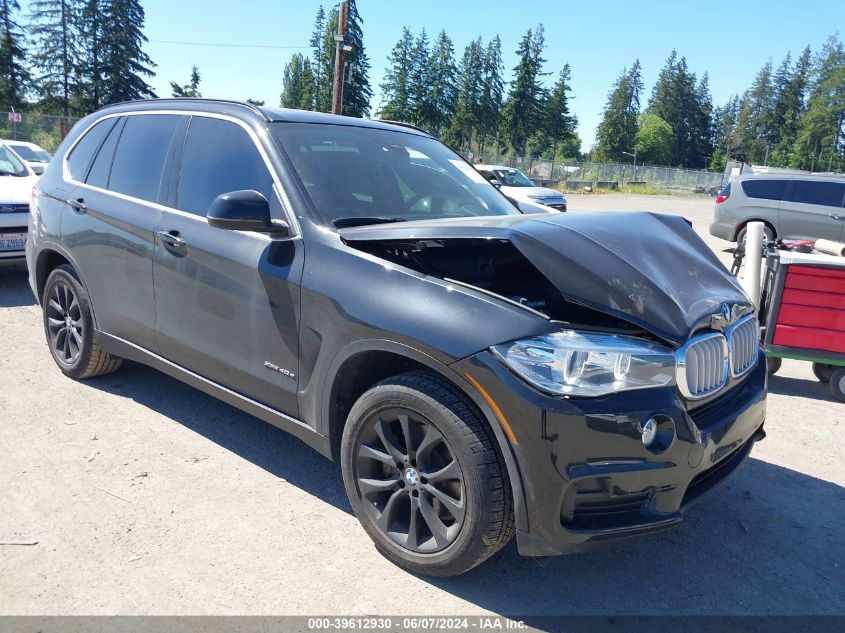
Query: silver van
(792, 206)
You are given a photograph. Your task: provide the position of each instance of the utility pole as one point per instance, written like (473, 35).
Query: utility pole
(340, 58)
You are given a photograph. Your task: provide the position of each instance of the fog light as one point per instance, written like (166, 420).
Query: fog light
(649, 432)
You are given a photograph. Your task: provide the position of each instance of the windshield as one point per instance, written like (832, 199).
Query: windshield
(34, 155)
(375, 175)
(512, 178)
(10, 165)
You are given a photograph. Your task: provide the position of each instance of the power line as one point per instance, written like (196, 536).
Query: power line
(221, 45)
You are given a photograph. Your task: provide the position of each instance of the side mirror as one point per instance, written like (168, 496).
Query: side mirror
(37, 169)
(245, 210)
(533, 184)
(495, 183)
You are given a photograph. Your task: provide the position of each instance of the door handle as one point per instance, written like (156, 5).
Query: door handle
(77, 205)
(171, 238)
(836, 216)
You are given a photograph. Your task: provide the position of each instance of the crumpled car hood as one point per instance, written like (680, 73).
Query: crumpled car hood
(649, 269)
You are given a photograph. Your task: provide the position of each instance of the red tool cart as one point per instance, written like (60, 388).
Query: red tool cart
(803, 314)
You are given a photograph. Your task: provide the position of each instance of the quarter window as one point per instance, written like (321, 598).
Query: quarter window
(98, 176)
(829, 194)
(765, 189)
(83, 152)
(219, 157)
(140, 155)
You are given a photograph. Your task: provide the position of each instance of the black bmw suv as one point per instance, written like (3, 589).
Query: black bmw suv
(478, 372)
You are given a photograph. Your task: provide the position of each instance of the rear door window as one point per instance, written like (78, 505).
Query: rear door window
(98, 176)
(829, 194)
(140, 155)
(219, 157)
(82, 153)
(764, 189)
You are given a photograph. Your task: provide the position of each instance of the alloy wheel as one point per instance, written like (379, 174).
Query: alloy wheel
(64, 323)
(408, 475)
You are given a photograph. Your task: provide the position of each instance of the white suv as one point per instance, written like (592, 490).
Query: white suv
(16, 183)
(514, 184)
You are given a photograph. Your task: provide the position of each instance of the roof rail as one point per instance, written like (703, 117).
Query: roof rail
(403, 124)
(250, 106)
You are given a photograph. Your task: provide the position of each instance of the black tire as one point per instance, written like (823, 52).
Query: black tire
(426, 401)
(69, 327)
(768, 234)
(823, 371)
(773, 364)
(837, 383)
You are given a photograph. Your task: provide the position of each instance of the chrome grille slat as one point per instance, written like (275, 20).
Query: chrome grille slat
(703, 365)
(742, 345)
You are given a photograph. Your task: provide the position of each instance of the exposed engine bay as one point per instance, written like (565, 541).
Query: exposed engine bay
(497, 267)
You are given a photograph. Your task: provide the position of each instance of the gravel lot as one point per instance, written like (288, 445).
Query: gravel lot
(148, 497)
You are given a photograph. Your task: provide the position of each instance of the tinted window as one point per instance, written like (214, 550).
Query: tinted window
(766, 189)
(830, 194)
(98, 176)
(140, 155)
(219, 157)
(85, 149)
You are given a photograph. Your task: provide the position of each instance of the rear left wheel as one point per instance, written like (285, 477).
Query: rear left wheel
(424, 477)
(69, 327)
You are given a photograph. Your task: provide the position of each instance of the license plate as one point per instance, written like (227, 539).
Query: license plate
(12, 241)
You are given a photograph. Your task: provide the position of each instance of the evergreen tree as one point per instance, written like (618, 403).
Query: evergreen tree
(443, 75)
(560, 123)
(466, 121)
(789, 107)
(756, 123)
(724, 130)
(396, 86)
(420, 81)
(191, 89)
(701, 126)
(820, 141)
(14, 76)
(298, 84)
(618, 128)
(316, 43)
(90, 87)
(523, 110)
(492, 92)
(55, 56)
(125, 64)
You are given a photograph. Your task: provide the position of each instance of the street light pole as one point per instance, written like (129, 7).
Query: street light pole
(635, 162)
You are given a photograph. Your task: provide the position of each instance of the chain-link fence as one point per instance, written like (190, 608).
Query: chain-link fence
(41, 129)
(573, 175)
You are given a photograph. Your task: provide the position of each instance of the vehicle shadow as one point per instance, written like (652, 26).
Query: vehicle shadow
(804, 388)
(766, 542)
(14, 287)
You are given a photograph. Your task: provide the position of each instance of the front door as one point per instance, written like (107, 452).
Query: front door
(227, 302)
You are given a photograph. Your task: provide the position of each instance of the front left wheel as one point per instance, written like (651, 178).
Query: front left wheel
(424, 476)
(69, 327)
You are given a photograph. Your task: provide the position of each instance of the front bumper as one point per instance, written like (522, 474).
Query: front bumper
(586, 476)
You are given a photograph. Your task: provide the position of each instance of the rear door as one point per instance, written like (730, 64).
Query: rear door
(109, 228)
(227, 301)
(813, 209)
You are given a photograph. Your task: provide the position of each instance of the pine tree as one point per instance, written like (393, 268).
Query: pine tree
(466, 120)
(789, 107)
(125, 64)
(90, 87)
(316, 43)
(396, 86)
(756, 123)
(820, 141)
(14, 76)
(55, 56)
(191, 89)
(724, 130)
(420, 81)
(443, 73)
(522, 112)
(492, 92)
(560, 123)
(298, 84)
(701, 126)
(618, 128)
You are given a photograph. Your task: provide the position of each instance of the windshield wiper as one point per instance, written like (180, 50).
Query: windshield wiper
(363, 221)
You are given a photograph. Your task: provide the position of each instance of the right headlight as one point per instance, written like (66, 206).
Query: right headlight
(580, 363)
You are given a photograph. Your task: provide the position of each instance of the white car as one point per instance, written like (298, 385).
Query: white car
(33, 155)
(16, 182)
(514, 184)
